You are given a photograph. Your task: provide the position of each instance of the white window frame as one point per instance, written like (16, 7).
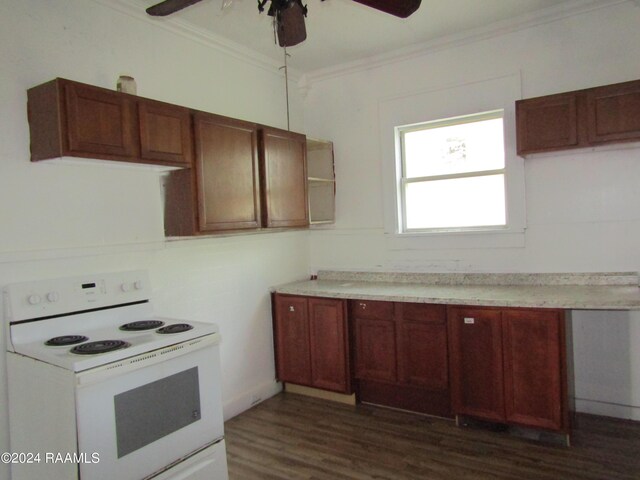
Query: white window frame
(449, 100)
(403, 181)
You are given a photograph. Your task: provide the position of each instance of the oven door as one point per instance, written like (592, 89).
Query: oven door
(138, 416)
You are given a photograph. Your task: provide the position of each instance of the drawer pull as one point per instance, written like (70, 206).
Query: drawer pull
(469, 321)
(363, 306)
(292, 308)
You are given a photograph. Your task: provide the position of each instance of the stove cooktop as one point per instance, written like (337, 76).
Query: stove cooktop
(84, 322)
(105, 344)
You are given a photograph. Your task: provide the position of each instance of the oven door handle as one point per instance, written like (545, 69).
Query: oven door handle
(146, 359)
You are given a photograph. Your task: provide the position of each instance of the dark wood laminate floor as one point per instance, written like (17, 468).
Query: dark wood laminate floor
(295, 437)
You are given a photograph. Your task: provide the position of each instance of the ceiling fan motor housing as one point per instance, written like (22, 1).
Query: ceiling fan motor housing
(290, 22)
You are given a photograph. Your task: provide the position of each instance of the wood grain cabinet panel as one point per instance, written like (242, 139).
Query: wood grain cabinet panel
(422, 346)
(533, 363)
(293, 354)
(284, 178)
(401, 355)
(165, 133)
(99, 121)
(311, 342)
(547, 123)
(613, 113)
(477, 375)
(72, 119)
(375, 349)
(226, 173)
(509, 366)
(583, 118)
(329, 348)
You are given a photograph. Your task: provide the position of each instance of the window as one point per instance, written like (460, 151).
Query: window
(452, 174)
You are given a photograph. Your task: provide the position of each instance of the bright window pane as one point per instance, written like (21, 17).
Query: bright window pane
(451, 149)
(458, 202)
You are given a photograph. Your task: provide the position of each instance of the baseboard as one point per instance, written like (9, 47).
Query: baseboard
(250, 398)
(323, 394)
(606, 409)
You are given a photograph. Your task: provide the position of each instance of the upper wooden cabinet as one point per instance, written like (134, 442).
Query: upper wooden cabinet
(584, 118)
(613, 113)
(73, 119)
(165, 133)
(246, 176)
(226, 173)
(283, 169)
(547, 123)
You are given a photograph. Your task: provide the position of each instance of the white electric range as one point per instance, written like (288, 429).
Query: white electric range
(100, 387)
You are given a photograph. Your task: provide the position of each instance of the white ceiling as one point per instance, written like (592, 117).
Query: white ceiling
(343, 31)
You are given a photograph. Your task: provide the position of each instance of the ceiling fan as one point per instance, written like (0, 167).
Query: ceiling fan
(289, 14)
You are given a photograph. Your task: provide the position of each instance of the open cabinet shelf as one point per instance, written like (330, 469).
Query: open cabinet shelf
(321, 181)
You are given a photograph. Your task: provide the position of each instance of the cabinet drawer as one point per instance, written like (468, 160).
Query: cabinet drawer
(371, 309)
(423, 312)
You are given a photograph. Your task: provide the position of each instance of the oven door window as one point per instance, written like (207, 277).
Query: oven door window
(155, 410)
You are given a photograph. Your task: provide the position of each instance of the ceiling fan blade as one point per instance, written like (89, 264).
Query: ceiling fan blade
(290, 23)
(399, 8)
(169, 6)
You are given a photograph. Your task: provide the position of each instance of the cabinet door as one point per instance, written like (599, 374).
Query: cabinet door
(533, 368)
(475, 349)
(284, 178)
(613, 113)
(422, 346)
(293, 358)
(165, 133)
(226, 173)
(547, 123)
(100, 123)
(328, 343)
(375, 332)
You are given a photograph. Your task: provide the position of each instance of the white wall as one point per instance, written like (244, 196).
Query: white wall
(581, 207)
(58, 220)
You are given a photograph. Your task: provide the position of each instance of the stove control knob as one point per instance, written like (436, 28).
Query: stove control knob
(53, 297)
(138, 285)
(126, 287)
(34, 299)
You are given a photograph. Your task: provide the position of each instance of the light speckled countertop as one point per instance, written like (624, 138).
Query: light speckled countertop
(590, 291)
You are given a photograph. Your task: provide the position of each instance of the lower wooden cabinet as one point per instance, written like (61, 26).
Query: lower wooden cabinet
(311, 342)
(401, 355)
(509, 366)
(504, 365)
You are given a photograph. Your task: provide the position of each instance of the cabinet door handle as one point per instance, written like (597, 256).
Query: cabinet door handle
(292, 308)
(469, 321)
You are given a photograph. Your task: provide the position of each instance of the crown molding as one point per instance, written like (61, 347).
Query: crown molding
(496, 29)
(202, 36)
